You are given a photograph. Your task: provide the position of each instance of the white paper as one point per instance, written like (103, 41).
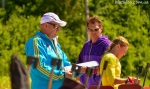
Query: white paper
(88, 64)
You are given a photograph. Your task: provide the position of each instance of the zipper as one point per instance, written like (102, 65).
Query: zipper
(90, 52)
(56, 51)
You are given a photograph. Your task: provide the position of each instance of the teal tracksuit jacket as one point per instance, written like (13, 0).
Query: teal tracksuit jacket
(45, 49)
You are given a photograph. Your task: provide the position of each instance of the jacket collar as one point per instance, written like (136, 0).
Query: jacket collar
(99, 40)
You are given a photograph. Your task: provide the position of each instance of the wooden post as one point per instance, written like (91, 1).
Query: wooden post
(86, 16)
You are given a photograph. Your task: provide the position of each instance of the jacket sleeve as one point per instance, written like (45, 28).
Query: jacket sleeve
(34, 47)
(80, 58)
(66, 62)
(106, 44)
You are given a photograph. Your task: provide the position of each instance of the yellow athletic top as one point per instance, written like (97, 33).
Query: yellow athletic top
(113, 70)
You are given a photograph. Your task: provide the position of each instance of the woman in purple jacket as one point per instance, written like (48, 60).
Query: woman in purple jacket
(93, 49)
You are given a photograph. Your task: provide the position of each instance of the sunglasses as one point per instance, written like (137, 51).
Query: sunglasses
(55, 25)
(93, 29)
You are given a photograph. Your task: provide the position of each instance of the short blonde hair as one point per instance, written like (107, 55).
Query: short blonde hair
(119, 40)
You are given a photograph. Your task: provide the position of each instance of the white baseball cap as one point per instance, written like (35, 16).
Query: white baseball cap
(50, 16)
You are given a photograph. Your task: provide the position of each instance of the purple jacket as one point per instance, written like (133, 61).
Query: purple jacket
(93, 52)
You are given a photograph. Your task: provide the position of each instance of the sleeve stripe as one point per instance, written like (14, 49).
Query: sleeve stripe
(40, 68)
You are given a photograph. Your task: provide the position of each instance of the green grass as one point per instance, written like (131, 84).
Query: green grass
(5, 82)
(147, 82)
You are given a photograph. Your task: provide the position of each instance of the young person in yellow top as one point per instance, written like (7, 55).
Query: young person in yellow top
(117, 50)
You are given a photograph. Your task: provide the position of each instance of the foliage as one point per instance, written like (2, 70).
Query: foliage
(5, 82)
(13, 37)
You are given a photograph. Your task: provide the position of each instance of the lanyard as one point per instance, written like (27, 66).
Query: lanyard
(55, 49)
